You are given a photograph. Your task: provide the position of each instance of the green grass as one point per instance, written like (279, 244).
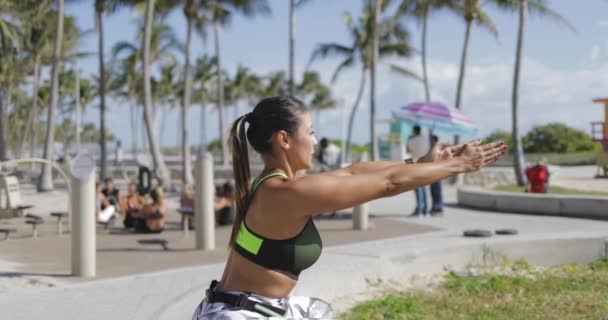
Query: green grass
(561, 292)
(565, 159)
(552, 190)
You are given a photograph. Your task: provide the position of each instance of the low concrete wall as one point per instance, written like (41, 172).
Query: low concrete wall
(574, 206)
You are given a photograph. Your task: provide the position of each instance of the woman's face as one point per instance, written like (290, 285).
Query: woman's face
(302, 144)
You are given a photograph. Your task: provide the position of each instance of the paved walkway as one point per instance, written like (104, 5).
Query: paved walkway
(173, 294)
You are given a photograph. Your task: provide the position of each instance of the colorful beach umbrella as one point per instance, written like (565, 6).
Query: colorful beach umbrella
(436, 117)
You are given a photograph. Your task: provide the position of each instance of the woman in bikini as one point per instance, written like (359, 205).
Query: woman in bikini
(151, 218)
(133, 202)
(274, 237)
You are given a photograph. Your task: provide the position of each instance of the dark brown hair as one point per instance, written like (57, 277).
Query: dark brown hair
(269, 116)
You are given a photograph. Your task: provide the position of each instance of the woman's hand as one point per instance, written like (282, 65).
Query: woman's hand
(441, 151)
(474, 156)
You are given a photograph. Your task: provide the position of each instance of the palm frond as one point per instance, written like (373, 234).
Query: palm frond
(405, 72)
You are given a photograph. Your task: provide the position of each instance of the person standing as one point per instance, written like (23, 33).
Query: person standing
(436, 196)
(118, 154)
(418, 146)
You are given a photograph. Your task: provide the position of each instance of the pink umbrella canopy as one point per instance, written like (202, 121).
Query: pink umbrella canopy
(436, 117)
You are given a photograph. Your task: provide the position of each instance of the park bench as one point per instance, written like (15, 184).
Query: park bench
(7, 231)
(60, 215)
(34, 220)
(188, 213)
(10, 197)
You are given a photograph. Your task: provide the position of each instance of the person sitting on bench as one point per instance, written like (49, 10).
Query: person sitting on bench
(112, 194)
(224, 205)
(104, 211)
(151, 218)
(133, 203)
(186, 201)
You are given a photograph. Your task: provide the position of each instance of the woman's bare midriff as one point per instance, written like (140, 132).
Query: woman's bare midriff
(243, 275)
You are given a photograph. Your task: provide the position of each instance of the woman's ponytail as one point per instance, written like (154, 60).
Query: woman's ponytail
(242, 174)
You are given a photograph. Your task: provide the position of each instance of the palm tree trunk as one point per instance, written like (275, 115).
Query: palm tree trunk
(425, 77)
(518, 164)
(29, 125)
(459, 179)
(133, 130)
(463, 62)
(157, 157)
(318, 121)
(102, 100)
(46, 179)
(374, 58)
(4, 101)
(186, 163)
(292, 45)
(203, 130)
(220, 94)
(351, 119)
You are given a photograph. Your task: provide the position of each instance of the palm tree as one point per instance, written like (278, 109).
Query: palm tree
(293, 4)
(243, 86)
(162, 40)
(204, 73)
(8, 48)
(420, 10)
(192, 14)
(472, 11)
(101, 7)
(393, 40)
(39, 31)
(46, 180)
(220, 14)
(540, 7)
(315, 94)
(372, 74)
(161, 170)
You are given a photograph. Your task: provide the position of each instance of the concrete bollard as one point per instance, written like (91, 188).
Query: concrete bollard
(361, 212)
(82, 216)
(204, 215)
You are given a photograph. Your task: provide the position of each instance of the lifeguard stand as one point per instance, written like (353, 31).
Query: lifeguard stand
(599, 133)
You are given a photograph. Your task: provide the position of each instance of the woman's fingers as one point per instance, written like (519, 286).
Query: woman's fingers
(493, 145)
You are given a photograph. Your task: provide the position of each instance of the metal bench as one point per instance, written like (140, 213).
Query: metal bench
(7, 231)
(34, 220)
(60, 215)
(187, 213)
(10, 194)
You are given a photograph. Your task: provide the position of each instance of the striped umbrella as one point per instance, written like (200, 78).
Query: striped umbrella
(436, 117)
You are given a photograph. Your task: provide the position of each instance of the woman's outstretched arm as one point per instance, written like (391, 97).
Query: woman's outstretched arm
(315, 194)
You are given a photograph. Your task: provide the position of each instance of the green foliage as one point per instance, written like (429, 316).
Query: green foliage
(559, 138)
(523, 292)
(500, 135)
(214, 146)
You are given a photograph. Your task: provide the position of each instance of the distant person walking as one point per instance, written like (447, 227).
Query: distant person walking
(329, 155)
(418, 146)
(436, 196)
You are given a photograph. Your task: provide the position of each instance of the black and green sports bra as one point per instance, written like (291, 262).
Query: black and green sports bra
(288, 256)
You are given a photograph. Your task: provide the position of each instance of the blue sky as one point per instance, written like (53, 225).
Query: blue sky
(562, 70)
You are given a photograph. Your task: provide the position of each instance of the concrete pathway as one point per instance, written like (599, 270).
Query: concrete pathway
(344, 274)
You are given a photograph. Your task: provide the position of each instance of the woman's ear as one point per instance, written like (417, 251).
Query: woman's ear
(283, 139)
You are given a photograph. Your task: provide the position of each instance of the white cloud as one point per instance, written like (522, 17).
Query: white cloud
(603, 23)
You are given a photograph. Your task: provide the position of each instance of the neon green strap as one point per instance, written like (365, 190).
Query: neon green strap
(245, 238)
(261, 180)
